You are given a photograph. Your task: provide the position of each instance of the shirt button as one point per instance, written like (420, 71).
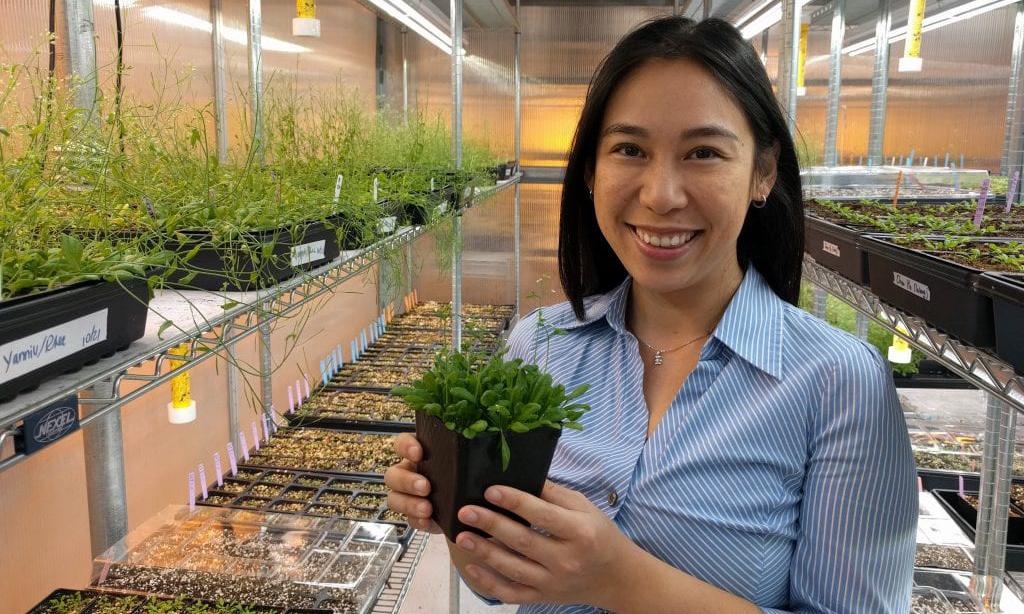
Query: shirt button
(613, 498)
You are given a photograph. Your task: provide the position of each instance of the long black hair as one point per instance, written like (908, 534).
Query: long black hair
(772, 237)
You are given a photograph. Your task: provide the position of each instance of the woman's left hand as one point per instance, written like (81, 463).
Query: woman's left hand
(582, 559)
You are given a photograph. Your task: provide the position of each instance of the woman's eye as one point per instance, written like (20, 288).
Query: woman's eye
(704, 153)
(631, 151)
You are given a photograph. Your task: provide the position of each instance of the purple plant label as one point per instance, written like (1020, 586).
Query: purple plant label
(920, 484)
(202, 481)
(1012, 192)
(218, 468)
(305, 380)
(961, 485)
(298, 394)
(191, 491)
(149, 207)
(291, 401)
(256, 435)
(245, 445)
(232, 459)
(979, 213)
(266, 429)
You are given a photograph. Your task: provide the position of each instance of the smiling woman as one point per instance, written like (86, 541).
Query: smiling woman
(739, 454)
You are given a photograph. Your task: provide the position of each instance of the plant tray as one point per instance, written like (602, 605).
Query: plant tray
(351, 411)
(93, 598)
(1007, 293)
(937, 290)
(274, 559)
(44, 335)
(307, 488)
(931, 375)
(326, 451)
(837, 248)
(231, 268)
(966, 516)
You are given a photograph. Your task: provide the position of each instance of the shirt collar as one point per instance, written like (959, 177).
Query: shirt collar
(751, 326)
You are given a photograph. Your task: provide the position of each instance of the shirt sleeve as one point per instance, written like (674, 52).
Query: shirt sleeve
(855, 548)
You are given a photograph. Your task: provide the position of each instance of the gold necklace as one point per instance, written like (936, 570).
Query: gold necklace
(659, 354)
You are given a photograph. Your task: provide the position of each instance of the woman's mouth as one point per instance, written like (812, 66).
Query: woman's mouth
(662, 245)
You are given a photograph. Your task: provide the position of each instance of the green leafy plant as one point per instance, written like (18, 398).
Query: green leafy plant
(67, 604)
(472, 395)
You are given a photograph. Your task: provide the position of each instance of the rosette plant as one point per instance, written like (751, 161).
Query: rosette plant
(486, 421)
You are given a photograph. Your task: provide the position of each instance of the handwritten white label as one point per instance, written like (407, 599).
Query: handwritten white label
(386, 225)
(256, 435)
(39, 349)
(202, 481)
(245, 445)
(217, 467)
(266, 429)
(830, 248)
(912, 286)
(232, 459)
(305, 381)
(192, 491)
(308, 252)
(442, 208)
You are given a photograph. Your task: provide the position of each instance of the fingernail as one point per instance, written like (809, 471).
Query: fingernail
(493, 495)
(470, 516)
(422, 486)
(466, 543)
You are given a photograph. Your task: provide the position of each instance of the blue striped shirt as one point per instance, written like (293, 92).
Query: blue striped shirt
(782, 471)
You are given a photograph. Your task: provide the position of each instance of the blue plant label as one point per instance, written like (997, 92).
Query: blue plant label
(47, 346)
(47, 425)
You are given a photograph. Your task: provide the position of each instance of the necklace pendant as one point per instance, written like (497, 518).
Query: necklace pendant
(657, 358)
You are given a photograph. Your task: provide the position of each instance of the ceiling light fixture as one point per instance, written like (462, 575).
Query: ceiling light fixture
(417, 22)
(767, 19)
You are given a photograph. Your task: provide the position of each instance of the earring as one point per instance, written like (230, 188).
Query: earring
(590, 191)
(761, 203)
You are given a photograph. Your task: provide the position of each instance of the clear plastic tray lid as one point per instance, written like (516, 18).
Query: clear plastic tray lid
(856, 182)
(253, 557)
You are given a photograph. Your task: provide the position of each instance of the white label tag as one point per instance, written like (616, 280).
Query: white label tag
(217, 467)
(245, 444)
(308, 252)
(232, 459)
(192, 491)
(256, 435)
(387, 224)
(266, 429)
(442, 208)
(912, 286)
(39, 349)
(830, 248)
(202, 481)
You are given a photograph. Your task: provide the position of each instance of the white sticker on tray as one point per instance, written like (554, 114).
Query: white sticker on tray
(387, 225)
(830, 248)
(912, 286)
(29, 353)
(309, 252)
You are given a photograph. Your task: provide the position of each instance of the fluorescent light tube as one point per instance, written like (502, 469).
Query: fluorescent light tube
(939, 20)
(767, 19)
(234, 35)
(415, 21)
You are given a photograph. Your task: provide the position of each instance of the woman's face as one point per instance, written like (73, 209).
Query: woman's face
(674, 176)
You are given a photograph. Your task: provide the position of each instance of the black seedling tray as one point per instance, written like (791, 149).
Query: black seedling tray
(336, 387)
(346, 423)
(966, 516)
(311, 507)
(349, 376)
(126, 305)
(936, 290)
(285, 432)
(1007, 293)
(218, 272)
(837, 248)
(92, 595)
(931, 374)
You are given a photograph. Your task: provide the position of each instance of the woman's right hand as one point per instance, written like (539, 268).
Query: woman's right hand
(408, 489)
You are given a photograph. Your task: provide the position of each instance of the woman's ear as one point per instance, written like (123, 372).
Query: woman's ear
(768, 169)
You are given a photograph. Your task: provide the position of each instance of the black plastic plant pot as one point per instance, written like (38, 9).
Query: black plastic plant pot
(836, 248)
(1007, 293)
(460, 469)
(50, 333)
(232, 267)
(966, 516)
(932, 288)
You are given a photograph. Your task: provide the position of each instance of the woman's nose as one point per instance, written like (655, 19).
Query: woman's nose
(661, 190)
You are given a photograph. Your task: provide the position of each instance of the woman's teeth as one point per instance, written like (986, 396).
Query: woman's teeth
(673, 240)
